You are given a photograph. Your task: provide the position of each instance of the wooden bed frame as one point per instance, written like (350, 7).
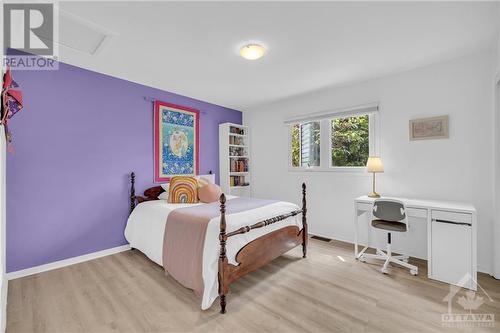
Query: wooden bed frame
(255, 254)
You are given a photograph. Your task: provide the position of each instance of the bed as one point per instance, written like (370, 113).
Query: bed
(235, 242)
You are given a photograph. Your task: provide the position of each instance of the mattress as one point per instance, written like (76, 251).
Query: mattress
(146, 226)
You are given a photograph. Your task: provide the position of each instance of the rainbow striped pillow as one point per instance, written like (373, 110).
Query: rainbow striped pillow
(183, 190)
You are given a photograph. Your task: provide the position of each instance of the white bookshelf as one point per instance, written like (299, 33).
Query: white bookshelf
(234, 160)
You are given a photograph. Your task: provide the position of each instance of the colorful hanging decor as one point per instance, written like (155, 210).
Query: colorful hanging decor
(176, 141)
(12, 103)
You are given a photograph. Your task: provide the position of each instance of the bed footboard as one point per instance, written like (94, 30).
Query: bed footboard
(260, 251)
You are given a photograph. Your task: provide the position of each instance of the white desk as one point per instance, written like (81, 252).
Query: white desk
(451, 237)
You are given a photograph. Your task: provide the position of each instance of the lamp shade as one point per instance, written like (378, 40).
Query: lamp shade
(374, 164)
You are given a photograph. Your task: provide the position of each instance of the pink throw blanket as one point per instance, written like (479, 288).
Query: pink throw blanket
(184, 238)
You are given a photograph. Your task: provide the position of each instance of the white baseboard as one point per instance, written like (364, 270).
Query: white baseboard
(66, 262)
(3, 299)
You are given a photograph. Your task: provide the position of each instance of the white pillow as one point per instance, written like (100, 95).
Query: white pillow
(163, 196)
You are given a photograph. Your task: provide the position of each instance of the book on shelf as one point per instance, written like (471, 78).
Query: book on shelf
(236, 130)
(237, 151)
(236, 140)
(238, 165)
(238, 181)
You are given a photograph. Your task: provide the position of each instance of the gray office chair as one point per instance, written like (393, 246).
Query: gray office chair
(389, 215)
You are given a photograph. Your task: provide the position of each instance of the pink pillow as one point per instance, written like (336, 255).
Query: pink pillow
(209, 193)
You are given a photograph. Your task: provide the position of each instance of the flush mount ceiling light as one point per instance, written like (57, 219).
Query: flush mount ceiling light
(252, 51)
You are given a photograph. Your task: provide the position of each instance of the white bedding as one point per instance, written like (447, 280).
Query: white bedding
(146, 226)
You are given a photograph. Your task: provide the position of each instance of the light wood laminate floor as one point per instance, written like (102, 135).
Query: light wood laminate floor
(327, 292)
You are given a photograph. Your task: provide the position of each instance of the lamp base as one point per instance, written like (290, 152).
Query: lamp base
(374, 195)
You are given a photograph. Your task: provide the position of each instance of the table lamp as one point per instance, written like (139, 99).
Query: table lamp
(374, 165)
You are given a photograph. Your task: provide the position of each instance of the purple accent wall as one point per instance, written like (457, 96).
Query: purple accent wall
(76, 141)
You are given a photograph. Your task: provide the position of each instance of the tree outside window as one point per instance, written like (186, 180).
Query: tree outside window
(350, 141)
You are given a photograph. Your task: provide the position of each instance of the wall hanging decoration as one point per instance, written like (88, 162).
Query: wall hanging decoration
(429, 128)
(176, 141)
(12, 103)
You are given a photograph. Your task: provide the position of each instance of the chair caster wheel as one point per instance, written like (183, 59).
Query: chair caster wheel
(384, 270)
(362, 259)
(414, 272)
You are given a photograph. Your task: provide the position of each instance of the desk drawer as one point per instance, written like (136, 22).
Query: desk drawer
(417, 213)
(444, 216)
(367, 207)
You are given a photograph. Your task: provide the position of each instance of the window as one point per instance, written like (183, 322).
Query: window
(350, 141)
(338, 141)
(305, 145)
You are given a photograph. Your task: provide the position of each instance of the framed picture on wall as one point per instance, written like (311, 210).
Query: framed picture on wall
(176, 141)
(429, 128)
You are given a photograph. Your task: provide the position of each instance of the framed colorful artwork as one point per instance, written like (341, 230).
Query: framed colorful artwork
(176, 141)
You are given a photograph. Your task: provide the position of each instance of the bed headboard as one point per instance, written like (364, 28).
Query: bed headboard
(151, 193)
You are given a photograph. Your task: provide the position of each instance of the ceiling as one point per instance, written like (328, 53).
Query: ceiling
(192, 48)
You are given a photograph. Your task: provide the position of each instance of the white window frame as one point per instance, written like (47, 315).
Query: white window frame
(326, 142)
(300, 167)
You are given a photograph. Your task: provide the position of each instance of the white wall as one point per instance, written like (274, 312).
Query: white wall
(496, 222)
(498, 40)
(496, 237)
(459, 168)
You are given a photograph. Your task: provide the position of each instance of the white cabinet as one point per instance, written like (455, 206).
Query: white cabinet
(452, 248)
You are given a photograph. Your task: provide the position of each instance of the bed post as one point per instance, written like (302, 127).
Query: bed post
(304, 221)
(222, 255)
(132, 191)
